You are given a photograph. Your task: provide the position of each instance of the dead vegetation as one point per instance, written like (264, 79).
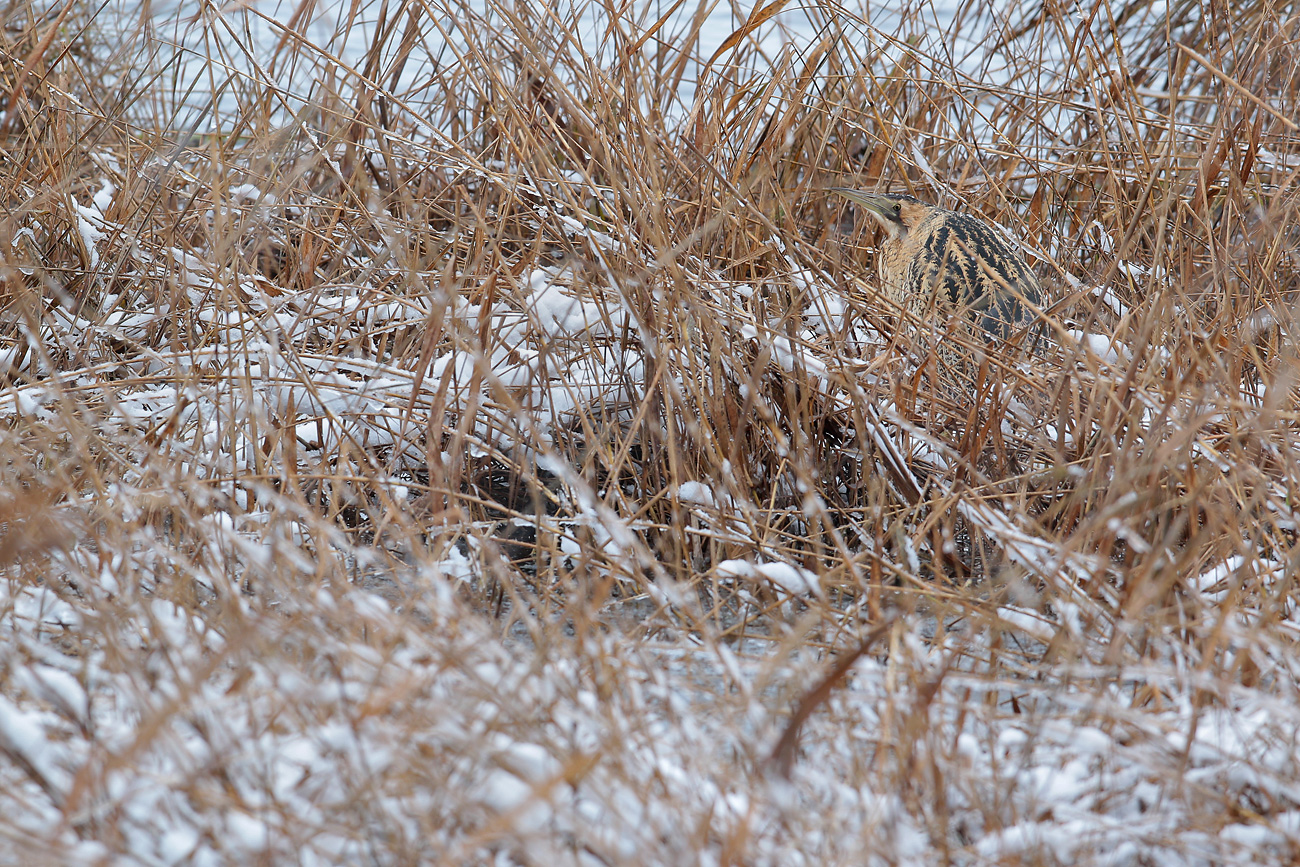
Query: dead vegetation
(421, 423)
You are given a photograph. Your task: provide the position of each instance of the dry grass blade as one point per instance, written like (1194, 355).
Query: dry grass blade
(783, 754)
(757, 18)
(461, 432)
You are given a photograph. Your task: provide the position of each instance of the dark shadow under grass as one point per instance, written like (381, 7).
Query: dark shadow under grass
(460, 433)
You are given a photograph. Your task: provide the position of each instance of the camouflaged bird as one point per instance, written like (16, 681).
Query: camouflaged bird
(936, 259)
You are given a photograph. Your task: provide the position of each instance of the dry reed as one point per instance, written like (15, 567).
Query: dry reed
(472, 445)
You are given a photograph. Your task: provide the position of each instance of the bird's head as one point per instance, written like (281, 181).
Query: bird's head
(897, 213)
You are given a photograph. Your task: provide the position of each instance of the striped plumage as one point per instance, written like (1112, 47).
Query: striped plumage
(933, 259)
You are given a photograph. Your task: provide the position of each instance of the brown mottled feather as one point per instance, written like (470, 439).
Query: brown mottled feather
(936, 259)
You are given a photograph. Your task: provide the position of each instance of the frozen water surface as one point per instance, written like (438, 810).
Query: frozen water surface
(265, 686)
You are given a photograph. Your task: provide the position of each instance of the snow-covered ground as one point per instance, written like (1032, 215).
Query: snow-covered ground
(245, 617)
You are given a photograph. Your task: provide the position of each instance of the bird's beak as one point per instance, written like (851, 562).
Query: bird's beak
(878, 206)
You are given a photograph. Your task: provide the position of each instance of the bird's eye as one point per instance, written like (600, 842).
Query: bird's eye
(898, 207)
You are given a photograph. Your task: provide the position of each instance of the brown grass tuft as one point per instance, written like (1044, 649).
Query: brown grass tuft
(464, 432)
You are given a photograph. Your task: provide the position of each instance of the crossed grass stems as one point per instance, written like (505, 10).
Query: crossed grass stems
(738, 341)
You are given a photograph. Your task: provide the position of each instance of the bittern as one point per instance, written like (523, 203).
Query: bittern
(933, 259)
